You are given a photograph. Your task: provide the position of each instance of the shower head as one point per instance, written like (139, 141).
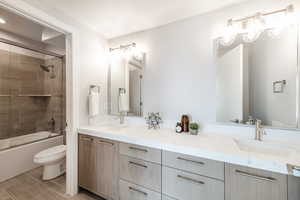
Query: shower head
(47, 68)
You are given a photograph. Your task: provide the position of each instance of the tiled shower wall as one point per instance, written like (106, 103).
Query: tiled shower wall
(23, 108)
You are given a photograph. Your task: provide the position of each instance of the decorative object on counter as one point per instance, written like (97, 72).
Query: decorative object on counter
(250, 121)
(153, 120)
(185, 121)
(178, 128)
(194, 127)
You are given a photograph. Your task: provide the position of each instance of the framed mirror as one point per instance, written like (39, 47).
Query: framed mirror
(259, 80)
(125, 80)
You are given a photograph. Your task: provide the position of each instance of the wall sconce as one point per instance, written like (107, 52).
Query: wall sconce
(253, 26)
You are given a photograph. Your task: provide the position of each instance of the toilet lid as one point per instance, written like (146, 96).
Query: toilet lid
(51, 151)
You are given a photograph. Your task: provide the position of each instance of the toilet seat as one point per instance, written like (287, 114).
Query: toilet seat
(51, 154)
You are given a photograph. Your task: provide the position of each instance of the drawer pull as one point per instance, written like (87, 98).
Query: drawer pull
(106, 142)
(193, 161)
(138, 149)
(250, 175)
(137, 164)
(137, 190)
(190, 179)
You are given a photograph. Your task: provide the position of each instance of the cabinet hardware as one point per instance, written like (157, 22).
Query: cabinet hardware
(193, 161)
(190, 179)
(87, 139)
(250, 175)
(137, 190)
(138, 149)
(137, 164)
(106, 142)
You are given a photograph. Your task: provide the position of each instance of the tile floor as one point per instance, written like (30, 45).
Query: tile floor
(29, 186)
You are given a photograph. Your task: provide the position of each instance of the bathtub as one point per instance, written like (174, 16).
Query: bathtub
(16, 154)
(25, 139)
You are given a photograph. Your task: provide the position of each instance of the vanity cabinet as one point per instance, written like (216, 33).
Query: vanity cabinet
(98, 166)
(123, 171)
(87, 163)
(253, 184)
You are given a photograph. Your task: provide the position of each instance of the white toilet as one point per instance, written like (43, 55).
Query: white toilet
(53, 161)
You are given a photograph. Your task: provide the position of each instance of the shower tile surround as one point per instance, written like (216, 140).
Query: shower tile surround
(21, 75)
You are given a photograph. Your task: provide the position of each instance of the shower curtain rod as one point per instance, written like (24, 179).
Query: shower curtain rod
(17, 44)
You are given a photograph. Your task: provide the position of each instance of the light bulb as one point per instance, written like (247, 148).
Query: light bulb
(2, 21)
(229, 34)
(255, 27)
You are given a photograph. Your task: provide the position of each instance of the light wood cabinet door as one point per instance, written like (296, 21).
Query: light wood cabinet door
(107, 169)
(189, 186)
(201, 166)
(129, 191)
(243, 183)
(293, 188)
(87, 163)
(141, 152)
(140, 172)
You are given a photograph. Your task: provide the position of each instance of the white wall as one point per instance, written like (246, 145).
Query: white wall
(180, 73)
(93, 71)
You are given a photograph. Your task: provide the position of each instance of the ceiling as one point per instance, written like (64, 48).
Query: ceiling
(113, 18)
(21, 26)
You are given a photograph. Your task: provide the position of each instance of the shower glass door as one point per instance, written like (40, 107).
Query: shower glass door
(32, 96)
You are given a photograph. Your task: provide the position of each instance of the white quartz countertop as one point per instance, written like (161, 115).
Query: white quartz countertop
(219, 147)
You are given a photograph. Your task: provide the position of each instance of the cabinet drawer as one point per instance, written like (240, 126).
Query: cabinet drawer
(186, 186)
(141, 152)
(141, 172)
(129, 191)
(194, 164)
(254, 184)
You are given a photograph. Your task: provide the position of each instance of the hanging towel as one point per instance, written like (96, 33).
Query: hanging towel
(123, 102)
(94, 104)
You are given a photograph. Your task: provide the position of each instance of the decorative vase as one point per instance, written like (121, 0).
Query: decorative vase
(194, 131)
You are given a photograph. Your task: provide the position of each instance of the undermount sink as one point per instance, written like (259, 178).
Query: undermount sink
(265, 148)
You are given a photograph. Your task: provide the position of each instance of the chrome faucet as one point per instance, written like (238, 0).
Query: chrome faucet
(259, 130)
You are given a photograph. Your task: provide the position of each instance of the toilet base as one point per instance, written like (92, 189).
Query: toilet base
(54, 170)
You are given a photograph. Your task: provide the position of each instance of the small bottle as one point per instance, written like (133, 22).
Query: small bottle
(185, 122)
(178, 127)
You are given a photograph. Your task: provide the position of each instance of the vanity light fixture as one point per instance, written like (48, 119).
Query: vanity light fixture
(129, 50)
(253, 26)
(230, 33)
(123, 47)
(2, 21)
